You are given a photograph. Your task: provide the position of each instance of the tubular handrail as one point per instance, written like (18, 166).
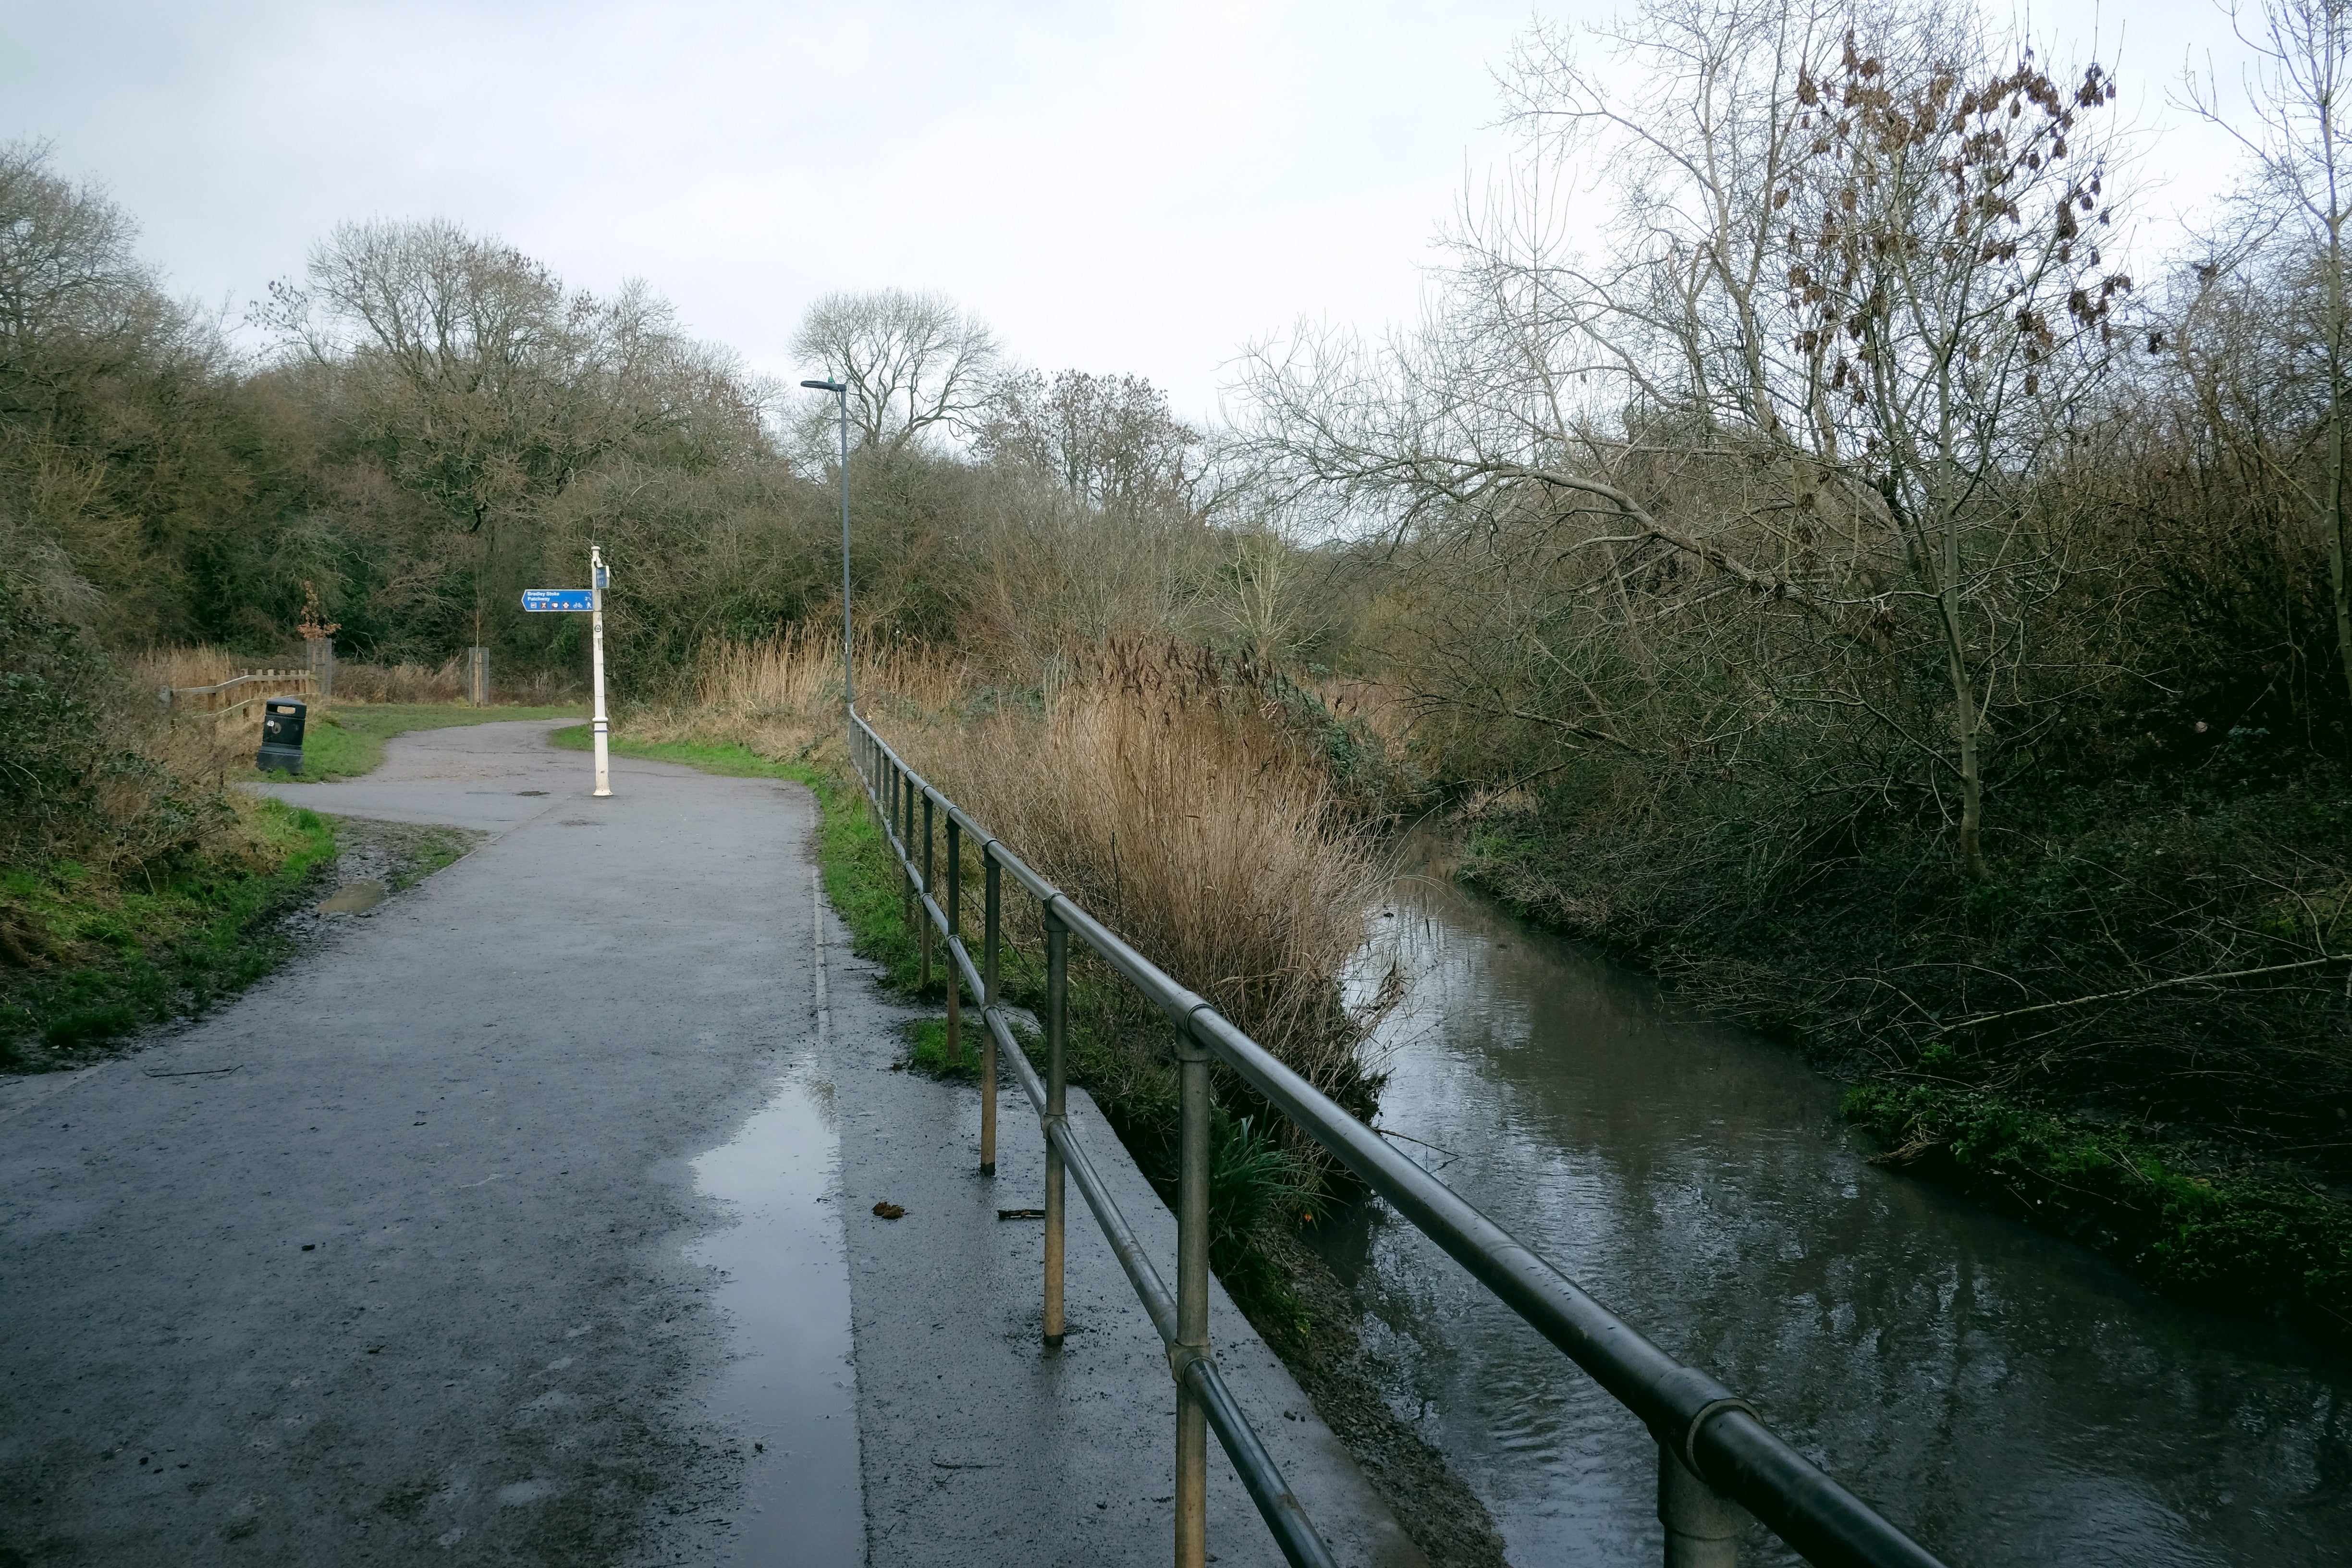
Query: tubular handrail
(1285, 1518)
(1712, 1445)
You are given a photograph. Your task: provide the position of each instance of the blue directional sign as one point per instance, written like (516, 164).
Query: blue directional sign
(558, 599)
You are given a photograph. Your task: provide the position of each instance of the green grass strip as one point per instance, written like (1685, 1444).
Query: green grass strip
(346, 742)
(173, 949)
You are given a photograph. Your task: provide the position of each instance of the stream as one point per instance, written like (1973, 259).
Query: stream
(2003, 1396)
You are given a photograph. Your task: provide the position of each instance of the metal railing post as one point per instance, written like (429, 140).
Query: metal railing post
(1703, 1526)
(1191, 1300)
(988, 999)
(902, 823)
(955, 929)
(929, 883)
(1057, 1006)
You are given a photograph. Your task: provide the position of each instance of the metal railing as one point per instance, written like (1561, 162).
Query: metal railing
(1718, 1464)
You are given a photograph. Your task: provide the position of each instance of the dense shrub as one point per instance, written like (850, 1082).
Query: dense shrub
(74, 783)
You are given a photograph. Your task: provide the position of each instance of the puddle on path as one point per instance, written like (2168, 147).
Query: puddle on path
(791, 1384)
(353, 898)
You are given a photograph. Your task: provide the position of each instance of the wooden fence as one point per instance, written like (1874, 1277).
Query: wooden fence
(234, 693)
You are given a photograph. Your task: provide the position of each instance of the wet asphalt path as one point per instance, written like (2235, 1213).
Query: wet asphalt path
(502, 1226)
(387, 1261)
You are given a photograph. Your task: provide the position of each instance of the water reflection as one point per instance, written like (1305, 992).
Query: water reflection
(791, 1386)
(2005, 1396)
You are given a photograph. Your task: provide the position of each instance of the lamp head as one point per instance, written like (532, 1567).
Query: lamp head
(824, 387)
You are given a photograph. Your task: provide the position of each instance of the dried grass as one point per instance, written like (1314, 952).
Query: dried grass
(180, 667)
(1162, 791)
(782, 695)
(405, 683)
(798, 672)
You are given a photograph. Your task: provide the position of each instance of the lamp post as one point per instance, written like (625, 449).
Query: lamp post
(840, 389)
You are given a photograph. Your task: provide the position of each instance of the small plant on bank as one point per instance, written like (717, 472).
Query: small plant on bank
(132, 888)
(927, 1051)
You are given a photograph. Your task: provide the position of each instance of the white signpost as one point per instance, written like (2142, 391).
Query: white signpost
(591, 599)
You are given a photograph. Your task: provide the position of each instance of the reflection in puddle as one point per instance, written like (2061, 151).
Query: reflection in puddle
(352, 899)
(791, 1386)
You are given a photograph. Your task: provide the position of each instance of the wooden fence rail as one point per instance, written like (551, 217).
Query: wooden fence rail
(238, 691)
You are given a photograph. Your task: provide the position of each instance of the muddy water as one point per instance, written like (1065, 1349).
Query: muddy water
(2005, 1396)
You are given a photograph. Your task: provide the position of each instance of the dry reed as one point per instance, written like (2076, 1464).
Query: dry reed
(404, 683)
(781, 695)
(179, 667)
(1162, 790)
(798, 673)
(1204, 841)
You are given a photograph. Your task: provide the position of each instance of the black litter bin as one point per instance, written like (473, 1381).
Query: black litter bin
(282, 734)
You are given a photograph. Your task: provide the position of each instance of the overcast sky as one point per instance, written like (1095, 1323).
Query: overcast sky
(1114, 186)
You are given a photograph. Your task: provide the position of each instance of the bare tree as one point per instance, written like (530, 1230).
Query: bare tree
(2300, 92)
(114, 441)
(1110, 439)
(476, 377)
(66, 261)
(1944, 265)
(913, 361)
(473, 379)
(1853, 293)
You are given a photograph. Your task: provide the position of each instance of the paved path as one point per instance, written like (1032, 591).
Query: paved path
(427, 1249)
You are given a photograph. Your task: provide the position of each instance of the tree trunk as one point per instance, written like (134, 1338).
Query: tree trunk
(2336, 542)
(1964, 712)
(1964, 724)
(2336, 331)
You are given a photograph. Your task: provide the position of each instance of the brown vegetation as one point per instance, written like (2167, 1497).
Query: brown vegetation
(1164, 791)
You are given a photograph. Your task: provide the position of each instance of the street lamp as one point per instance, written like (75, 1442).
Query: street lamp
(848, 647)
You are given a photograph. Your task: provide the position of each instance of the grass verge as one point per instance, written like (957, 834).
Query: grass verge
(170, 950)
(347, 742)
(2241, 1244)
(430, 849)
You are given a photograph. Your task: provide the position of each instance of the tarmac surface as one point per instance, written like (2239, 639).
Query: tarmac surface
(519, 1219)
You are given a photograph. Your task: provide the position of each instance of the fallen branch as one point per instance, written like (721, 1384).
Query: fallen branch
(2208, 979)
